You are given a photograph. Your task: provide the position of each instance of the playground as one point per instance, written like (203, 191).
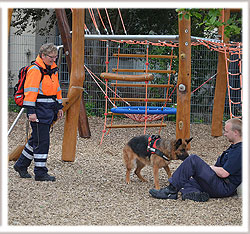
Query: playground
(85, 152)
(92, 190)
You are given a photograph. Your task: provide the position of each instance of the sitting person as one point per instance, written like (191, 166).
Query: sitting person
(198, 181)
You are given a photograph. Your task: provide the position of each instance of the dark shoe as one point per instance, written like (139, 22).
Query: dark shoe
(22, 173)
(165, 193)
(46, 177)
(196, 196)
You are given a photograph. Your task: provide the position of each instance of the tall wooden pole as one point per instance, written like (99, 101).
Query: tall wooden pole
(184, 78)
(64, 29)
(76, 83)
(62, 21)
(221, 86)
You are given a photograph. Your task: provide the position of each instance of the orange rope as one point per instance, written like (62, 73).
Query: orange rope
(122, 22)
(109, 22)
(102, 22)
(93, 76)
(86, 29)
(167, 98)
(107, 56)
(91, 13)
(106, 113)
(146, 106)
(228, 85)
(146, 90)
(117, 66)
(231, 88)
(240, 69)
(141, 118)
(223, 27)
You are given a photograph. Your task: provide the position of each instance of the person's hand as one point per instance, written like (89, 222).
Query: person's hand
(33, 118)
(60, 114)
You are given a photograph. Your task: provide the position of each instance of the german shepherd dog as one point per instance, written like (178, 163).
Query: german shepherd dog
(139, 149)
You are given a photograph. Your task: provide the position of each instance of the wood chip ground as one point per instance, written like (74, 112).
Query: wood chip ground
(92, 190)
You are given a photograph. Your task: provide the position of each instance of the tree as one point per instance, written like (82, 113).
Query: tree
(139, 21)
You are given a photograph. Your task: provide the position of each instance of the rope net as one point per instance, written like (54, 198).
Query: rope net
(141, 117)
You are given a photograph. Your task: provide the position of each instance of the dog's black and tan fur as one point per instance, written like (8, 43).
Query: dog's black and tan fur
(136, 151)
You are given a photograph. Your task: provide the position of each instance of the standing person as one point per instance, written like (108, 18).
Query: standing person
(198, 181)
(43, 101)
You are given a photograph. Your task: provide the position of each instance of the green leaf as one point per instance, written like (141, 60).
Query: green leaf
(187, 17)
(213, 19)
(197, 15)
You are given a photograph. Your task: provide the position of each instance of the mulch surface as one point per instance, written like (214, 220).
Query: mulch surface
(92, 190)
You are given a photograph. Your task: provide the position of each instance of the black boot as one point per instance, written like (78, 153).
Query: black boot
(22, 165)
(45, 177)
(170, 192)
(196, 196)
(22, 172)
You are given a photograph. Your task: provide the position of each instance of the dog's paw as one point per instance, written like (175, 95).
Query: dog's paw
(127, 181)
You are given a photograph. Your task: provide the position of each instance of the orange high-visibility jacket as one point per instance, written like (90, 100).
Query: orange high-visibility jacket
(48, 87)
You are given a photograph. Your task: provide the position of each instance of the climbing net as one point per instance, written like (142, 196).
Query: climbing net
(232, 52)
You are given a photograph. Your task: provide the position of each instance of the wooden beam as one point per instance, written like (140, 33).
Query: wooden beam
(76, 79)
(220, 88)
(144, 56)
(184, 78)
(142, 85)
(135, 78)
(136, 126)
(144, 71)
(140, 99)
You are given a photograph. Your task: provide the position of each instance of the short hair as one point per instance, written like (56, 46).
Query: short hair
(236, 125)
(48, 48)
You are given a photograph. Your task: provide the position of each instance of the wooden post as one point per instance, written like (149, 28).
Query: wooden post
(64, 29)
(83, 126)
(76, 79)
(184, 78)
(220, 88)
(84, 132)
(10, 10)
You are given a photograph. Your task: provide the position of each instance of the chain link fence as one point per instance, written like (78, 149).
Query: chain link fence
(99, 57)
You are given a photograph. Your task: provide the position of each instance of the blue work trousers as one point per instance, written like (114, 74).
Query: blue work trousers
(37, 148)
(195, 175)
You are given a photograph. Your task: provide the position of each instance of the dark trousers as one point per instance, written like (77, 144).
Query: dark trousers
(37, 147)
(195, 175)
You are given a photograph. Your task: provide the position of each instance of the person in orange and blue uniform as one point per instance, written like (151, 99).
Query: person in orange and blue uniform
(43, 101)
(198, 181)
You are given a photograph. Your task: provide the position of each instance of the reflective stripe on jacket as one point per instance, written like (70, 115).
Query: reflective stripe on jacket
(48, 87)
(42, 98)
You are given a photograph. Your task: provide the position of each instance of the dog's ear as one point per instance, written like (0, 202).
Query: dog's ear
(178, 143)
(188, 140)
